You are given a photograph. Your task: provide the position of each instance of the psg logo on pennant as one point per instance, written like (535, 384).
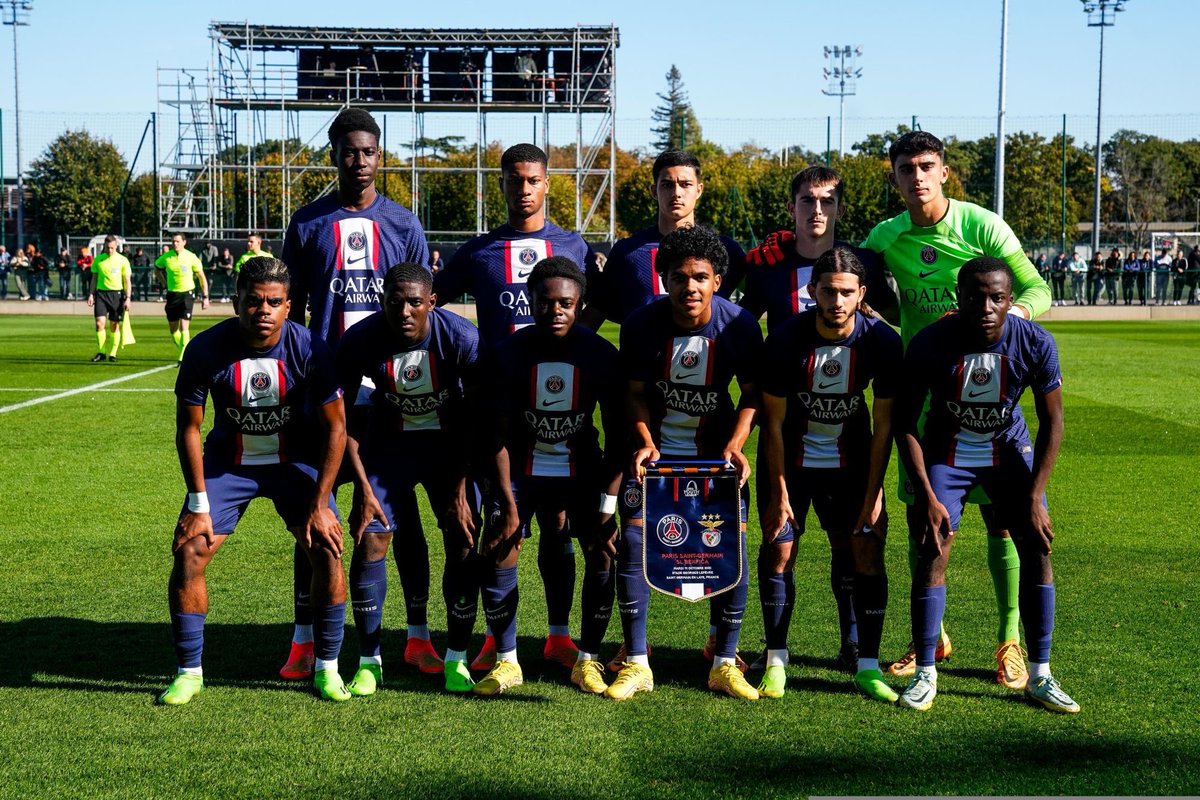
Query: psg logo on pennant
(679, 499)
(928, 254)
(356, 240)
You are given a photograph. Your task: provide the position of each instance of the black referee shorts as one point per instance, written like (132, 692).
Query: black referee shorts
(179, 306)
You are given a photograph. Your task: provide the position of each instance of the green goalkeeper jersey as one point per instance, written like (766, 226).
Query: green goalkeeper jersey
(110, 272)
(246, 256)
(179, 268)
(925, 262)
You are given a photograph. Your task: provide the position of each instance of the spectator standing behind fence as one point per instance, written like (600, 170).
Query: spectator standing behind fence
(1078, 275)
(1129, 270)
(143, 274)
(1058, 279)
(1162, 274)
(39, 271)
(1193, 274)
(1043, 267)
(62, 265)
(435, 262)
(5, 263)
(1142, 279)
(1112, 274)
(20, 269)
(227, 273)
(1178, 276)
(1095, 278)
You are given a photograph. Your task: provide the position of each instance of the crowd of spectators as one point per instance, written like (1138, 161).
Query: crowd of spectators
(1168, 279)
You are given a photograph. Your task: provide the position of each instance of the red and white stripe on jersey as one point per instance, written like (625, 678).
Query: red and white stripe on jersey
(414, 374)
(553, 389)
(691, 365)
(520, 257)
(982, 380)
(800, 297)
(830, 372)
(262, 385)
(654, 279)
(357, 243)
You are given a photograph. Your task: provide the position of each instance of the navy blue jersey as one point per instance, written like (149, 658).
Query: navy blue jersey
(781, 290)
(337, 259)
(418, 387)
(259, 397)
(973, 391)
(548, 390)
(828, 423)
(494, 268)
(687, 373)
(628, 280)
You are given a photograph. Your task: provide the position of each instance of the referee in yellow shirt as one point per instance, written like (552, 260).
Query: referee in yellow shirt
(176, 268)
(111, 287)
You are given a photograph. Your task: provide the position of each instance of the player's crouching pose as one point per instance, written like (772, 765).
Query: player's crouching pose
(680, 353)
(973, 366)
(547, 380)
(262, 372)
(820, 450)
(416, 429)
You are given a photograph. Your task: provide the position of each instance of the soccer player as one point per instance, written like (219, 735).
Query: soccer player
(924, 247)
(253, 250)
(547, 381)
(176, 268)
(820, 450)
(338, 249)
(628, 280)
(262, 373)
(417, 429)
(779, 271)
(495, 268)
(111, 289)
(680, 353)
(973, 367)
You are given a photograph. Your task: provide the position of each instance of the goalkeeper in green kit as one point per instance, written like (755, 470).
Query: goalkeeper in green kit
(923, 248)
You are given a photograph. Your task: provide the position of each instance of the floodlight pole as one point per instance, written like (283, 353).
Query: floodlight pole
(837, 83)
(1101, 14)
(999, 188)
(17, 9)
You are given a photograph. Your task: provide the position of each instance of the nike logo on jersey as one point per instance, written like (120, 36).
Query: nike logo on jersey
(682, 377)
(826, 385)
(977, 394)
(356, 260)
(548, 403)
(923, 274)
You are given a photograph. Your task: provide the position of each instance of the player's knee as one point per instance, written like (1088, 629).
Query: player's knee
(375, 545)
(192, 558)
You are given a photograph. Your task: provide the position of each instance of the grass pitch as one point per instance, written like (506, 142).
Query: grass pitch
(90, 487)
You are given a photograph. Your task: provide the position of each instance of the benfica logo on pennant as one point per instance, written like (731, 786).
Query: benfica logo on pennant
(683, 499)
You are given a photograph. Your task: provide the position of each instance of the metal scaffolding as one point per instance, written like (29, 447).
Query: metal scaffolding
(249, 125)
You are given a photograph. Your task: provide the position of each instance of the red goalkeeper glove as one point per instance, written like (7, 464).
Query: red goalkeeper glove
(773, 250)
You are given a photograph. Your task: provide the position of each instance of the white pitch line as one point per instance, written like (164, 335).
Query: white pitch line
(83, 389)
(60, 389)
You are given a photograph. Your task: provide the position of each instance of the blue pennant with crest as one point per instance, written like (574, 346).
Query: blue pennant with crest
(692, 540)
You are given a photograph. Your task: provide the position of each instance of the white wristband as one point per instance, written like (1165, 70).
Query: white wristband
(608, 504)
(198, 502)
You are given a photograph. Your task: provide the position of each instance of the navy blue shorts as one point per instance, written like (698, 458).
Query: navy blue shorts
(230, 489)
(394, 478)
(577, 497)
(1007, 484)
(835, 494)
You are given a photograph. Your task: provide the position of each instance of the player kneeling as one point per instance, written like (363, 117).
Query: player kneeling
(820, 450)
(973, 366)
(262, 372)
(416, 430)
(547, 380)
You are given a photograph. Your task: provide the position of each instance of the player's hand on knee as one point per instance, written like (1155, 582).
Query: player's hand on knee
(937, 527)
(193, 524)
(322, 529)
(1040, 525)
(605, 536)
(462, 520)
(776, 515)
(365, 511)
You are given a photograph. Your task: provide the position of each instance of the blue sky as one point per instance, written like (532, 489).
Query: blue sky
(744, 60)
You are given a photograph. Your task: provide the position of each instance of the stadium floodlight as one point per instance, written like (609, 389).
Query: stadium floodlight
(1101, 14)
(17, 15)
(1000, 111)
(842, 74)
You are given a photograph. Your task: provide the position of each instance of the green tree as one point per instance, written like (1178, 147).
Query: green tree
(675, 123)
(75, 185)
(141, 219)
(1146, 172)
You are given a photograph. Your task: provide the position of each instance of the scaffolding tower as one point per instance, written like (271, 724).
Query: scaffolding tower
(249, 125)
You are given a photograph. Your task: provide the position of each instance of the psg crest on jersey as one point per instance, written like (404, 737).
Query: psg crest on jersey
(528, 256)
(356, 240)
(928, 254)
(260, 382)
(412, 373)
(692, 544)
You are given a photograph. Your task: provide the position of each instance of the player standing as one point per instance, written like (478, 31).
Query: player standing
(262, 373)
(495, 268)
(924, 247)
(680, 353)
(820, 450)
(422, 361)
(176, 269)
(973, 367)
(253, 250)
(111, 289)
(628, 280)
(338, 249)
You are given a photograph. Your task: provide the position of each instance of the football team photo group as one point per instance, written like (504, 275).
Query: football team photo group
(526, 429)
